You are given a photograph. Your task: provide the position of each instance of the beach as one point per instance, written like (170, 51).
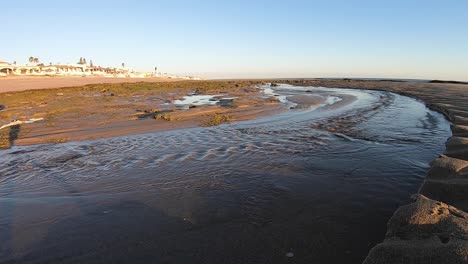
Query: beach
(122, 107)
(22, 83)
(300, 169)
(107, 108)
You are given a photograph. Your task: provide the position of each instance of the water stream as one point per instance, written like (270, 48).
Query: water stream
(312, 185)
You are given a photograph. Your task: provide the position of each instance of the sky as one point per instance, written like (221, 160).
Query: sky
(246, 39)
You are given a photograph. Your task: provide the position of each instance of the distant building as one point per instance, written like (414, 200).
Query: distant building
(5, 68)
(79, 70)
(62, 70)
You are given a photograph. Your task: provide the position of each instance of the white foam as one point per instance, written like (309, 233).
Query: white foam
(18, 122)
(197, 100)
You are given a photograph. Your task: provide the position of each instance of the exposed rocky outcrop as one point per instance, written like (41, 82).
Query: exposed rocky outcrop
(457, 147)
(457, 129)
(425, 231)
(460, 120)
(447, 168)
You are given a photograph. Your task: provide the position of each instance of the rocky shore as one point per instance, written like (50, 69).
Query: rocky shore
(434, 227)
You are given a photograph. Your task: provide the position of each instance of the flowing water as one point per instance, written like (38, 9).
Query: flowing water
(312, 185)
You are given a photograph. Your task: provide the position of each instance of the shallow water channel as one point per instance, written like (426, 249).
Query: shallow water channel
(315, 184)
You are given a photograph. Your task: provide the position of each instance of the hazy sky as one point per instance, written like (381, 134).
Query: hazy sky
(220, 39)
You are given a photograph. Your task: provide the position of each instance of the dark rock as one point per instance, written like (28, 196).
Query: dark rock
(460, 120)
(448, 168)
(457, 147)
(453, 191)
(425, 231)
(459, 129)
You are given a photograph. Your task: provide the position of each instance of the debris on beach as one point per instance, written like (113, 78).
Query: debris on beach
(19, 122)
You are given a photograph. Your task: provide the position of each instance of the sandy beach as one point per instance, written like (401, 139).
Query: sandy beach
(110, 106)
(22, 83)
(119, 107)
(74, 113)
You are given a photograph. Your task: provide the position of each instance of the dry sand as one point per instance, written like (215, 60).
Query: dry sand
(22, 83)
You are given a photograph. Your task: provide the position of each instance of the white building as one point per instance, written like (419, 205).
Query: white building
(5, 68)
(60, 70)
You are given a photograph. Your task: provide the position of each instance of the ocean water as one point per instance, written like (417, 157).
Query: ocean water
(314, 185)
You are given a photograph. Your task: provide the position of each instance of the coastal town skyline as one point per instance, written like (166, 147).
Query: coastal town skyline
(81, 68)
(401, 39)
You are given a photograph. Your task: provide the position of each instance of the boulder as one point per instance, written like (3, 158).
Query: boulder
(457, 147)
(447, 168)
(453, 191)
(424, 232)
(460, 120)
(459, 129)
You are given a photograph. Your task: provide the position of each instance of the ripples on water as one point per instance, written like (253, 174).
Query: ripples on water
(318, 183)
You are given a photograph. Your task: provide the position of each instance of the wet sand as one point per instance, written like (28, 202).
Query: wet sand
(75, 131)
(306, 101)
(108, 110)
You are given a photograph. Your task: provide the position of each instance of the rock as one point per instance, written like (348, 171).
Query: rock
(459, 129)
(417, 252)
(225, 102)
(457, 147)
(453, 191)
(447, 181)
(424, 232)
(424, 218)
(60, 94)
(460, 120)
(445, 167)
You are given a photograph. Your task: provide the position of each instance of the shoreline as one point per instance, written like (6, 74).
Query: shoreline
(117, 109)
(433, 227)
